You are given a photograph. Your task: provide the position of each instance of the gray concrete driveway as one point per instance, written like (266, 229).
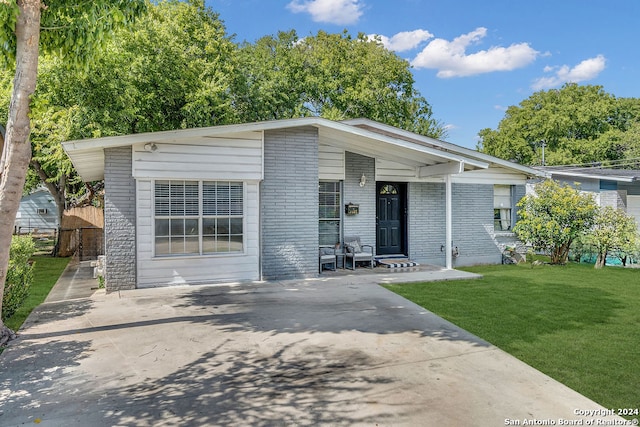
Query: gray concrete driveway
(343, 352)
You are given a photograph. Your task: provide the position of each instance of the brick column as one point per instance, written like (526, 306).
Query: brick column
(119, 219)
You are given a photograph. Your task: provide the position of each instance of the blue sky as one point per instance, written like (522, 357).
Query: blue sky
(471, 59)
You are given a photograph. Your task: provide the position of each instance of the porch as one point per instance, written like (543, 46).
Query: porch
(384, 275)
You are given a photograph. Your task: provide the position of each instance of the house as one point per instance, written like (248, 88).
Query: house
(256, 200)
(38, 213)
(618, 188)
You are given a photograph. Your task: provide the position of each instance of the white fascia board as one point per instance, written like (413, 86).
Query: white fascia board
(592, 176)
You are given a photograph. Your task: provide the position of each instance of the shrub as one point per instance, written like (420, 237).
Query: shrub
(553, 217)
(19, 275)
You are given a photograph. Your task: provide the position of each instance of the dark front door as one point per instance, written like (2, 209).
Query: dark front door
(390, 218)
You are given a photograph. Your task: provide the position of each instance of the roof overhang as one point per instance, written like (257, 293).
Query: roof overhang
(445, 146)
(366, 137)
(570, 174)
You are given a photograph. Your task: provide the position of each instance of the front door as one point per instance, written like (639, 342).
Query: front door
(390, 218)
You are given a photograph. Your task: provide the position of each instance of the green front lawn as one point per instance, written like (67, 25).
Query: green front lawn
(576, 324)
(46, 272)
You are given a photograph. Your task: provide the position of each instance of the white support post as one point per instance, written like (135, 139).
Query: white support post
(448, 225)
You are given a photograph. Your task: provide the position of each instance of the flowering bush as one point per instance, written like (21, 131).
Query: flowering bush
(553, 217)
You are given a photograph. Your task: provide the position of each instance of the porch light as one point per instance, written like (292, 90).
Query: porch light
(150, 147)
(363, 180)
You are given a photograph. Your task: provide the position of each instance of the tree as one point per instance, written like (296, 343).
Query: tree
(553, 217)
(575, 122)
(335, 76)
(613, 230)
(68, 29)
(170, 69)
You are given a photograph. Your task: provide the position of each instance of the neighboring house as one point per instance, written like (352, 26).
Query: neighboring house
(38, 213)
(618, 188)
(255, 201)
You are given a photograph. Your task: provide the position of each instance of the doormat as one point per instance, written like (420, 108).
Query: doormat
(397, 263)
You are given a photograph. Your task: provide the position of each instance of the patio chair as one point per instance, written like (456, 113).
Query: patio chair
(357, 252)
(327, 256)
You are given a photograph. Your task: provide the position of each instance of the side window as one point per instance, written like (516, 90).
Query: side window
(502, 207)
(329, 212)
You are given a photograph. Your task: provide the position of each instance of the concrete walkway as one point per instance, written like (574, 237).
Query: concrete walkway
(75, 282)
(338, 351)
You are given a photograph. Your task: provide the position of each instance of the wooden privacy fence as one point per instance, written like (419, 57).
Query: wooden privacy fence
(82, 232)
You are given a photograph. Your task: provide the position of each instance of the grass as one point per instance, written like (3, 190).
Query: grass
(46, 272)
(578, 325)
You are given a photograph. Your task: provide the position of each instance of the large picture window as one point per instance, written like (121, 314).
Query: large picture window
(329, 212)
(198, 217)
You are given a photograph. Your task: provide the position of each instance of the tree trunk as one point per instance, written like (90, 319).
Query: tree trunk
(560, 254)
(17, 150)
(601, 260)
(2, 154)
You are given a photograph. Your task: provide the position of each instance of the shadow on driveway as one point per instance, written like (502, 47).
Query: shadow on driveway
(263, 355)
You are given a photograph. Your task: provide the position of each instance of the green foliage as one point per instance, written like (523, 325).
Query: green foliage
(46, 271)
(335, 76)
(553, 217)
(613, 230)
(175, 68)
(579, 124)
(19, 275)
(71, 30)
(9, 12)
(172, 69)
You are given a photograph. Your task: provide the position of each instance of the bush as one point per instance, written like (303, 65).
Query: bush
(19, 275)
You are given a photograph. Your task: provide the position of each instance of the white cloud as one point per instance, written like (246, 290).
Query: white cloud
(585, 70)
(405, 40)
(331, 11)
(451, 59)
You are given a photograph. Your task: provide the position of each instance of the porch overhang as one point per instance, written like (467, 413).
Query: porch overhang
(449, 168)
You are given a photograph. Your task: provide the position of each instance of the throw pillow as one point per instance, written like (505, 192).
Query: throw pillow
(356, 247)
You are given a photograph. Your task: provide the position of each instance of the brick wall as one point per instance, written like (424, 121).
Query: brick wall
(472, 206)
(289, 203)
(119, 220)
(472, 216)
(426, 222)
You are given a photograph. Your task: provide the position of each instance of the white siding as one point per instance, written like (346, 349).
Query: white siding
(387, 170)
(163, 271)
(224, 158)
(330, 163)
(633, 208)
(494, 175)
